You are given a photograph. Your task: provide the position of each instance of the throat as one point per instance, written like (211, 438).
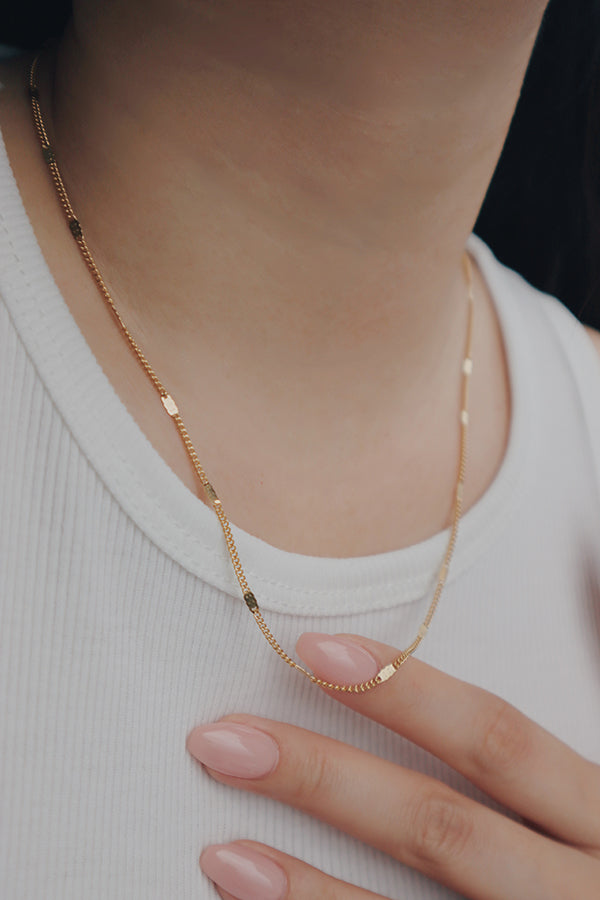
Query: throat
(334, 480)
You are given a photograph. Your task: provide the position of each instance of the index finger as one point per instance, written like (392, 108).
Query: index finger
(487, 740)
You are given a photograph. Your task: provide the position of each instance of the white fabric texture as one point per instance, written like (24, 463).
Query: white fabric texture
(122, 628)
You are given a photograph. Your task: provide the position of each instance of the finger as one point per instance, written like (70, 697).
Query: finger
(417, 820)
(486, 739)
(244, 870)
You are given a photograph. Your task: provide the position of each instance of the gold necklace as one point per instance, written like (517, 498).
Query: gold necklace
(172, 410)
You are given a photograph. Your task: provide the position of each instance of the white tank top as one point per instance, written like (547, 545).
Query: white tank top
(122, 628)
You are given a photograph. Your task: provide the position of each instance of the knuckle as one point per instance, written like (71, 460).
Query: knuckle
(441, 829)
(308, 882)
(415, 695)
(315, 778)
(330, 890)
(503, 740)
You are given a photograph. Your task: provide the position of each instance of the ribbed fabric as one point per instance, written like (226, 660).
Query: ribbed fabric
(121, 625)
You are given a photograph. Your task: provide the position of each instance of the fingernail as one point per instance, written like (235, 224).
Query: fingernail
(246, 874)
(335, 658)
(233, 749)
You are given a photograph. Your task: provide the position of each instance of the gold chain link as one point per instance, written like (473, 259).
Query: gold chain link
(172, 410)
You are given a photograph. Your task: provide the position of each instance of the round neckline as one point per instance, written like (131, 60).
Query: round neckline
(172, 516)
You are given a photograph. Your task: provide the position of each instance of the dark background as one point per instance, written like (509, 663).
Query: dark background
(541, 215)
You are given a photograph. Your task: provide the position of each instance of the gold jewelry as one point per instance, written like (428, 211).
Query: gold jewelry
(172, 410)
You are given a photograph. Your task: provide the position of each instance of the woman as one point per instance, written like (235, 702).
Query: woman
(278, 198)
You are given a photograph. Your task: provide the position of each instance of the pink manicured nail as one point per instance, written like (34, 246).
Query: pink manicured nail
(244, 873)
(233, 749)
(336, 658)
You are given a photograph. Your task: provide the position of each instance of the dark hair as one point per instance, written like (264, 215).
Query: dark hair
(28, 25)
(541, 214)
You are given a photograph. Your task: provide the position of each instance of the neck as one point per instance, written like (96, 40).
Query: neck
(291, 182)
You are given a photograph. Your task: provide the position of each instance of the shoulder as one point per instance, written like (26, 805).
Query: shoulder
(595, 337)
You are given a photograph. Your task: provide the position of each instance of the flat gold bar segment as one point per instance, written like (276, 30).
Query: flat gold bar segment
(169, 404)
(75, 228)
(210, 492)
(386, 673)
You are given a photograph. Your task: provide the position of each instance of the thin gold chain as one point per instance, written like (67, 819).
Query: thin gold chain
(172, 410)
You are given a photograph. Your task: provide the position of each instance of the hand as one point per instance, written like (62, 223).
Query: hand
(423, 823)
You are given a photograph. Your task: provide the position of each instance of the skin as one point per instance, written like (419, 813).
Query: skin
(282, 192)
(338, 156)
